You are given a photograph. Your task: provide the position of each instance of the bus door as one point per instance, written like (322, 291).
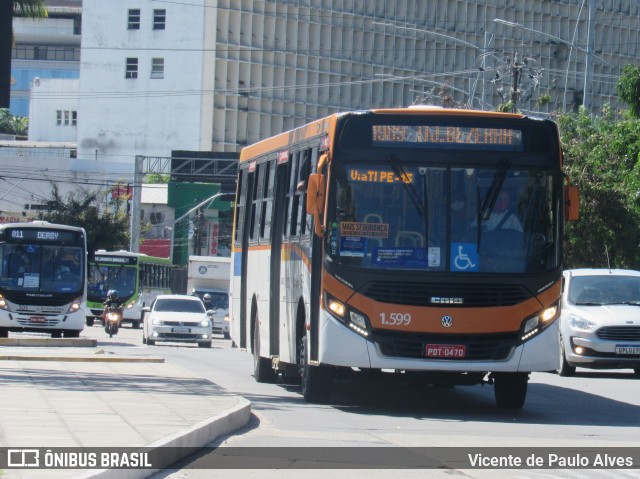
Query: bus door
(277, 232)
(248, 179)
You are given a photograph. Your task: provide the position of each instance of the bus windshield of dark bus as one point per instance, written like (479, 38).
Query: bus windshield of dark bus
(37, 268)
(103, 278)
(502, 219)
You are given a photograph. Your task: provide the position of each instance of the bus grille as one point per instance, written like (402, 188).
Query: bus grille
(420, 294)
(619, 333)
(20, 299)
(485, 347)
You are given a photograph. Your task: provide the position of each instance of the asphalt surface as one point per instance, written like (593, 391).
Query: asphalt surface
(71, 394)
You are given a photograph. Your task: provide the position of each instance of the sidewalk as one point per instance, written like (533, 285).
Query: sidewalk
(77, 397)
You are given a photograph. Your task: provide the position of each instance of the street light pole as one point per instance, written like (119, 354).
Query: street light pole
(199, 205)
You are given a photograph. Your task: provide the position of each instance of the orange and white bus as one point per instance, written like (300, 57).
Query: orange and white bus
(421, 241)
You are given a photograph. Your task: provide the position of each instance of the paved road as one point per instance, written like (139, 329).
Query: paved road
(594, 409)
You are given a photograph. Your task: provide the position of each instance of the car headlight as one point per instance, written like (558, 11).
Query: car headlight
(205, 323)
(581, 324)
(155, 321)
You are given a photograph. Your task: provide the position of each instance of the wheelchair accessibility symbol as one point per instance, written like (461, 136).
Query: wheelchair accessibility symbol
(464, 257)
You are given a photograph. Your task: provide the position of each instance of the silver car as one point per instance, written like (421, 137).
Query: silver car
(177, 317)
(600, 320)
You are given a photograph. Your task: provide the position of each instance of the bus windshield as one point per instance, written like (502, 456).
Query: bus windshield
(501, 219)
(103, 278)
(37, 268)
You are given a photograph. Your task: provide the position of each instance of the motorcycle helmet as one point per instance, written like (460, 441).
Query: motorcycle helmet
(207, 297)
(112, 295)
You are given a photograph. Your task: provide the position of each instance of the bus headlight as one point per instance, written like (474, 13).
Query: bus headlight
(354, 320)
(535, 324)
(130, 305)
(73, 307)
(3, 303)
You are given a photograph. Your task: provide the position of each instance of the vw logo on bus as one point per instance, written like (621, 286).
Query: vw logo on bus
(447, 321)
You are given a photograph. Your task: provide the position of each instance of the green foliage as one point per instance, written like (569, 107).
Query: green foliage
(105, 230)
(629, 88)
(507, 107)
(544, 99)
(156, 178)
(13, 125)
(602, 159)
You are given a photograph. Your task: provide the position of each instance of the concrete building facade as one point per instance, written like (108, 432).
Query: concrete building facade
(45, 48)
(218, 75)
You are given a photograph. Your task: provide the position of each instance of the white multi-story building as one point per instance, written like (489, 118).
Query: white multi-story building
(219, 74)
(146, 78)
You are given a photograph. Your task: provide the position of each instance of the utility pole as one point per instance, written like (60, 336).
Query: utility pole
(136, 207)
(586, 100)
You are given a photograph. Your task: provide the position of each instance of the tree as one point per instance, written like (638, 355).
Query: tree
(629, 88)
(13, 125)
(601, 158)
(105, 230)
(26, 8)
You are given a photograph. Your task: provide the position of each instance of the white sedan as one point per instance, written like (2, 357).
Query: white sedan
(177, 317)
(600, 320)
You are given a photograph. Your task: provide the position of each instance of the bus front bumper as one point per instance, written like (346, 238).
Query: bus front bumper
(347, 348)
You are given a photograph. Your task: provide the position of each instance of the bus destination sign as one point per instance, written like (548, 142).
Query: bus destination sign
(431, 136)
(33, 234)
(124, 260)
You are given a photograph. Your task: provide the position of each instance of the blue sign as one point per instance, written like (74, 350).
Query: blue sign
(464, 257)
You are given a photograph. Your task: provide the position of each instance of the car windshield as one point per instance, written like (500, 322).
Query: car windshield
(600, 289)
(219, 300)
(179, 306)
(503, 219)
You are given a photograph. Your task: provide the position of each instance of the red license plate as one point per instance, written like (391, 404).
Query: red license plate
(38, 319)
(447, 351)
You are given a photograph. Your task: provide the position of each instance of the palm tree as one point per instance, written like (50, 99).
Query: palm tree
(25, 8)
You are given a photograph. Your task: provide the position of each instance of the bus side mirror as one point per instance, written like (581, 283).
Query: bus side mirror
(315, 199)
(571, 203)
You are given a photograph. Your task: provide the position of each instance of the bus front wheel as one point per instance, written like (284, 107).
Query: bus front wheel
(315, 381)
(510, 389)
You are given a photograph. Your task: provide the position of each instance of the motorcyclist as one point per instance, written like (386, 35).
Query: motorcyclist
(208, 304)
(112, 298)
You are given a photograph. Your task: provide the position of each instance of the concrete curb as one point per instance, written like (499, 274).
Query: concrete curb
(185, 442)
(50, 342)
(86, 358)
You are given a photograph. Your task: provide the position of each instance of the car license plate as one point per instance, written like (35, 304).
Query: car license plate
(181, 330)
(38, 319)
(627, 349)
(448, 351)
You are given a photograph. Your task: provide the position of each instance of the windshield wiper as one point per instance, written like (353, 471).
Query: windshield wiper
(629, 303)
(421, 206)
(488, 201)
(411, 190)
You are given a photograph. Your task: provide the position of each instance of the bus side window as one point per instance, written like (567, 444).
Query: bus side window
(267, 202)
(240, 207)
(255, 203)
(303, 178)
(294, 204)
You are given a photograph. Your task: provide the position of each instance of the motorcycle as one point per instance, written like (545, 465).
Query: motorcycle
(111, 318)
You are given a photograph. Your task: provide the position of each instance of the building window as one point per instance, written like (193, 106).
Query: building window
(132, 68)
(159, 19)
(157, 68)
(134, 19)
(66, 118)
